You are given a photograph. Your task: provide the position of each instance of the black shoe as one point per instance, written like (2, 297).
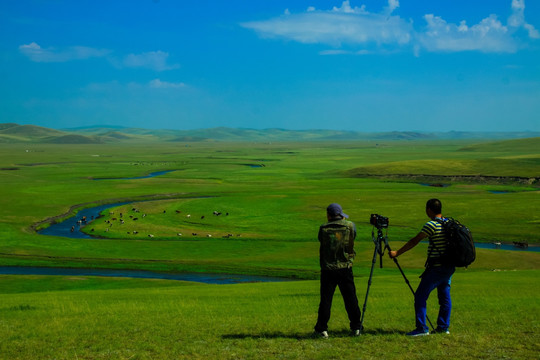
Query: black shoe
(439, 330)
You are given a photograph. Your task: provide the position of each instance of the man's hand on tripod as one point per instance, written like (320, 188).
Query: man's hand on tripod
(409, 245)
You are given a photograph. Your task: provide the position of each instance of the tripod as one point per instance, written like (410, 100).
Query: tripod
(381, 244)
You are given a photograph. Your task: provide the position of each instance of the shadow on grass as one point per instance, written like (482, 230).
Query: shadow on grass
(310, 335)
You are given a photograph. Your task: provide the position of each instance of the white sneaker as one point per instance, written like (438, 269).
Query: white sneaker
(322, 334)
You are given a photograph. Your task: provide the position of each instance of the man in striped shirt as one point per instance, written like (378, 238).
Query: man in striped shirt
(437, 274)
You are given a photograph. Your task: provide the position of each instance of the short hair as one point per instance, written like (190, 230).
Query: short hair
(434, 205)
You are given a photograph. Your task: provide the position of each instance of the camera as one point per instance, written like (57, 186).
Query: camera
(378, 221)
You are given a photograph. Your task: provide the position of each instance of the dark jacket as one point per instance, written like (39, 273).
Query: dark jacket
(337, 244)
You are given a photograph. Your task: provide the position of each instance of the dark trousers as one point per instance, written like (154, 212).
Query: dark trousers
(345, 280)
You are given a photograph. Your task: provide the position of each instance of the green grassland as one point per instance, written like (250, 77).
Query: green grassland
(272, 197)
(89, 318)
(274, 193)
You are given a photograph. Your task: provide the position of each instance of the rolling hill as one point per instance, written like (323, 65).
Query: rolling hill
(12, 133)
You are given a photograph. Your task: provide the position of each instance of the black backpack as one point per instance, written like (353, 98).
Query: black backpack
(460, 250)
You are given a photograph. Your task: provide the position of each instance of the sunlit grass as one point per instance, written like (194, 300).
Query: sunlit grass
(495, 315)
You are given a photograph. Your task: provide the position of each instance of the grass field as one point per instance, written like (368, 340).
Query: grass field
(89, 318)
(275, 195)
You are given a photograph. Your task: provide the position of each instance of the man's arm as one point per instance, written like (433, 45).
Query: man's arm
(409, 245)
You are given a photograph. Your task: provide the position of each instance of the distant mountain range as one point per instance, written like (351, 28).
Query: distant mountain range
(15, 133)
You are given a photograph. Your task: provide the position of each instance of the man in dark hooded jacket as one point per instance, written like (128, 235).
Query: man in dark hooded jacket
(336, 253)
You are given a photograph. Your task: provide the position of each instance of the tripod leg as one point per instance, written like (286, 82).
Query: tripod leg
(373, 262)
(407, 281)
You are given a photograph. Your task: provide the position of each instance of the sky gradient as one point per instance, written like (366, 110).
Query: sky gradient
(366, 65)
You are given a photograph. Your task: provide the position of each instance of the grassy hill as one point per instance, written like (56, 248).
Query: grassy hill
(12, 132)
(509, 161)
(527, 146)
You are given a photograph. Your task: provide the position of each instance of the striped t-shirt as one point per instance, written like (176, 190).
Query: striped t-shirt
(437, 244)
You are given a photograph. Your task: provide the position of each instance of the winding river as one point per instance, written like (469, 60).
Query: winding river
(207, 278)
(71, 228)
(64, 229)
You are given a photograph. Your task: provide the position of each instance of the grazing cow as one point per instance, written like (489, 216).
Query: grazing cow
(150, 235)
(209, 235)
(143, 215)
(135, 219)
(135, 232)
(179, 234)
(164, 211)
(188, 215)
(194, 234)
(178, 211)
(202, 217)
(522, 245)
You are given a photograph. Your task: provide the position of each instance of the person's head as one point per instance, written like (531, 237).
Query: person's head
(334, 211)
(433, 207)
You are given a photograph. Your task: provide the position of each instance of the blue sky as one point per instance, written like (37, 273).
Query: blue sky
(363, 65)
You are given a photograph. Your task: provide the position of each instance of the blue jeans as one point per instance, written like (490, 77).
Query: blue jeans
(435, 277)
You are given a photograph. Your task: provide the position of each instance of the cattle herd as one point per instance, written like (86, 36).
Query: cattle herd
(135, 215)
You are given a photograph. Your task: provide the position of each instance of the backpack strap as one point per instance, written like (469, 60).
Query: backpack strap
(350, 250)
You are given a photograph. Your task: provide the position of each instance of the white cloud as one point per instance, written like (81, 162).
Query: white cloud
(490, 35)
(335, 52)
(155, 60)
(360, 29)
(346, 8)
(392, 5)
(517, 19)
(38, 54)
(343, 25)
(158, 84)
(345, 52)
(117, 87)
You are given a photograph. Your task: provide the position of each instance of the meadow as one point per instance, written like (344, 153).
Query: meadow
(272, 198)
